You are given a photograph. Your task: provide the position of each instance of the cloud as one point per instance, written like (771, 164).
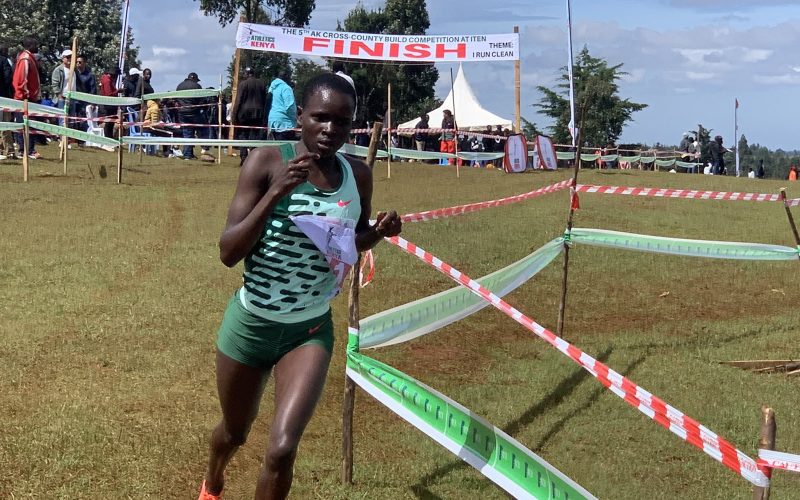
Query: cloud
(695, 75)
(168, 51)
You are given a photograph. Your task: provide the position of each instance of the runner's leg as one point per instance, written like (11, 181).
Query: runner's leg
(299, 379)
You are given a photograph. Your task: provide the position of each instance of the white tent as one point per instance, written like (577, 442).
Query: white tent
(468, 111)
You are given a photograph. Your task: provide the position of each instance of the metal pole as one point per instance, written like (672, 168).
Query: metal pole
(26, 133)
(234, 88)
(119, 148)
(455, 121)
(389, 133)
(219, 121)
(570, 65)
(517, 93)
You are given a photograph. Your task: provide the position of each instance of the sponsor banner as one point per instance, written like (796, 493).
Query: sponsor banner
(379, 47)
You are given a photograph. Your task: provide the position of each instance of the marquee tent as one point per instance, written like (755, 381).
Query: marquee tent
(468, 111)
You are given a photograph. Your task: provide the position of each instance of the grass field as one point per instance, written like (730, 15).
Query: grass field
(111, 296)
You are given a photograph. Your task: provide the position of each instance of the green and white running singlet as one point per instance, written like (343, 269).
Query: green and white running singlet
(308, 245)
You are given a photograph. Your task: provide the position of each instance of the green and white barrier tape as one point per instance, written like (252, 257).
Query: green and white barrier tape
(412, 320)
(104, 100)
(182, 94)
(494, 453)
(685, 247)
(33, 108)
(75, 134)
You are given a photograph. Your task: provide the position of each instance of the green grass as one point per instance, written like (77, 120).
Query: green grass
(112, 295)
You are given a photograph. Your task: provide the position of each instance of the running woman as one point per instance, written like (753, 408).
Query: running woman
(298, 218)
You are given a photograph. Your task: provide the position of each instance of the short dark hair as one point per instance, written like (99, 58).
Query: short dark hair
(82, 56)
(328, 81)
(29, 42)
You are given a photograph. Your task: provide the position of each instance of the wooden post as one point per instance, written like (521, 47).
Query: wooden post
(766, 441)
(119, 148)
(517, 93)
(372, 151)
(349, 401)
(234, 88)
(562, 307)
(70, 80)
(26, 133)
(389, 134)
(142, 112)
(791, 219)
(219, 121)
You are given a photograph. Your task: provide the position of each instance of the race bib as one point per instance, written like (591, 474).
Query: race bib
(336, 239)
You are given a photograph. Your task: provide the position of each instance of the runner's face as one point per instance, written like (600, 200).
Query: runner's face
(326, 120)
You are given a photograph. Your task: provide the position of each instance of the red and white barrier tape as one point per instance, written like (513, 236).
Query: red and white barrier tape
(665, 415)
(677, 193)
(793, 203)
(778, 460)
(474, 207)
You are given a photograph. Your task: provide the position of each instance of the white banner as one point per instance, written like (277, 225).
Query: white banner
(342, 44)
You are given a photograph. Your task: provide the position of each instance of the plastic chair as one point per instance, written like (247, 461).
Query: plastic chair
(92, 127)
(132, 117)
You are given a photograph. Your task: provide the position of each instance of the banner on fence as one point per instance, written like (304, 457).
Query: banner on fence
(547, 153)
(516, 159)
(380, 47)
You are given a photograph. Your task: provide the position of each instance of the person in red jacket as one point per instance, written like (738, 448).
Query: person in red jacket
(108, 87)
(26, 83)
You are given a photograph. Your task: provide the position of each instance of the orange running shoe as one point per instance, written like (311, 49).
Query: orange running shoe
(205, 495)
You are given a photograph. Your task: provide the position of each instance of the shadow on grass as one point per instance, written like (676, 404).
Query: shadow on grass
(552, 400)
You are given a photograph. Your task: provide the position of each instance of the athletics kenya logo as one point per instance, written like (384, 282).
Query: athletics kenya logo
(262, 42)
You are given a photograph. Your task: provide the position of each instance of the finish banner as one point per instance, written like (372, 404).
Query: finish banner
(342, 44)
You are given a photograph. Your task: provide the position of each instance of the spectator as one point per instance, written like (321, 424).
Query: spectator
(717, 151)
(488, 141)
(447, 142)
(250, 110)
(84, 82)
(59, 81)
(108, 88)
(6, 90)
(793, 173)
(283, 112)
(498, 139)
(188, 114)
(760, 173)
(421, 134)
(130, 82)
(152, 118)
(143, 87)
(751, 174)
(363, 136)
(26, 84)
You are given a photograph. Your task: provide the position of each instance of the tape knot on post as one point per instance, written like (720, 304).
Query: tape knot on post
(567, 237)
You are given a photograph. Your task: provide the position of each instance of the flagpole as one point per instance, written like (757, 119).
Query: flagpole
(572, 131)
(123, 42)
(736, 133)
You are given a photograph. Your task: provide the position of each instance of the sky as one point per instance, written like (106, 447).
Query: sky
(687, 59)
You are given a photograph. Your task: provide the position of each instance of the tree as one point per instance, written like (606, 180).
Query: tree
(303, 70)
(266, 65)
(599, 108)
(529, 129)
(96, 23)
(412, 84)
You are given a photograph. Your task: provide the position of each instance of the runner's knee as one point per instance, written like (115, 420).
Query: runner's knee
(282, 451)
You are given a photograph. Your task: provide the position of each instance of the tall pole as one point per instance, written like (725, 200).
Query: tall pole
(119, 148)
(571, 63)
(736, 134)
(455, 122)
(517, 91)
(349, 401)
(234, 87)
(123, 43)
(389, 133)
(26, 134)
(219, 121)
(70, 80)
(791, 219)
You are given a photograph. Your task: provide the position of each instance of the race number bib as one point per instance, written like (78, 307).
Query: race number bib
(336, 239)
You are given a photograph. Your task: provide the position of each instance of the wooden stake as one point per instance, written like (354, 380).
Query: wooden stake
(142, 111)
(26, 133)
(389, 133)
(372, 151)
(70, 80)
(119, 148)
(562, 307)
(219, 121)
(766, 441)
(791, 219)
(349, 401)
(517, 93)
(455, 123)
(234, 87)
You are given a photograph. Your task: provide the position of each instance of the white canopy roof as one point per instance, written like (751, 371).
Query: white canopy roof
(468, 111)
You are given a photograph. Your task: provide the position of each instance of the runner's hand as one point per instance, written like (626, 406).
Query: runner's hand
(295, 173)
(388, 224)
